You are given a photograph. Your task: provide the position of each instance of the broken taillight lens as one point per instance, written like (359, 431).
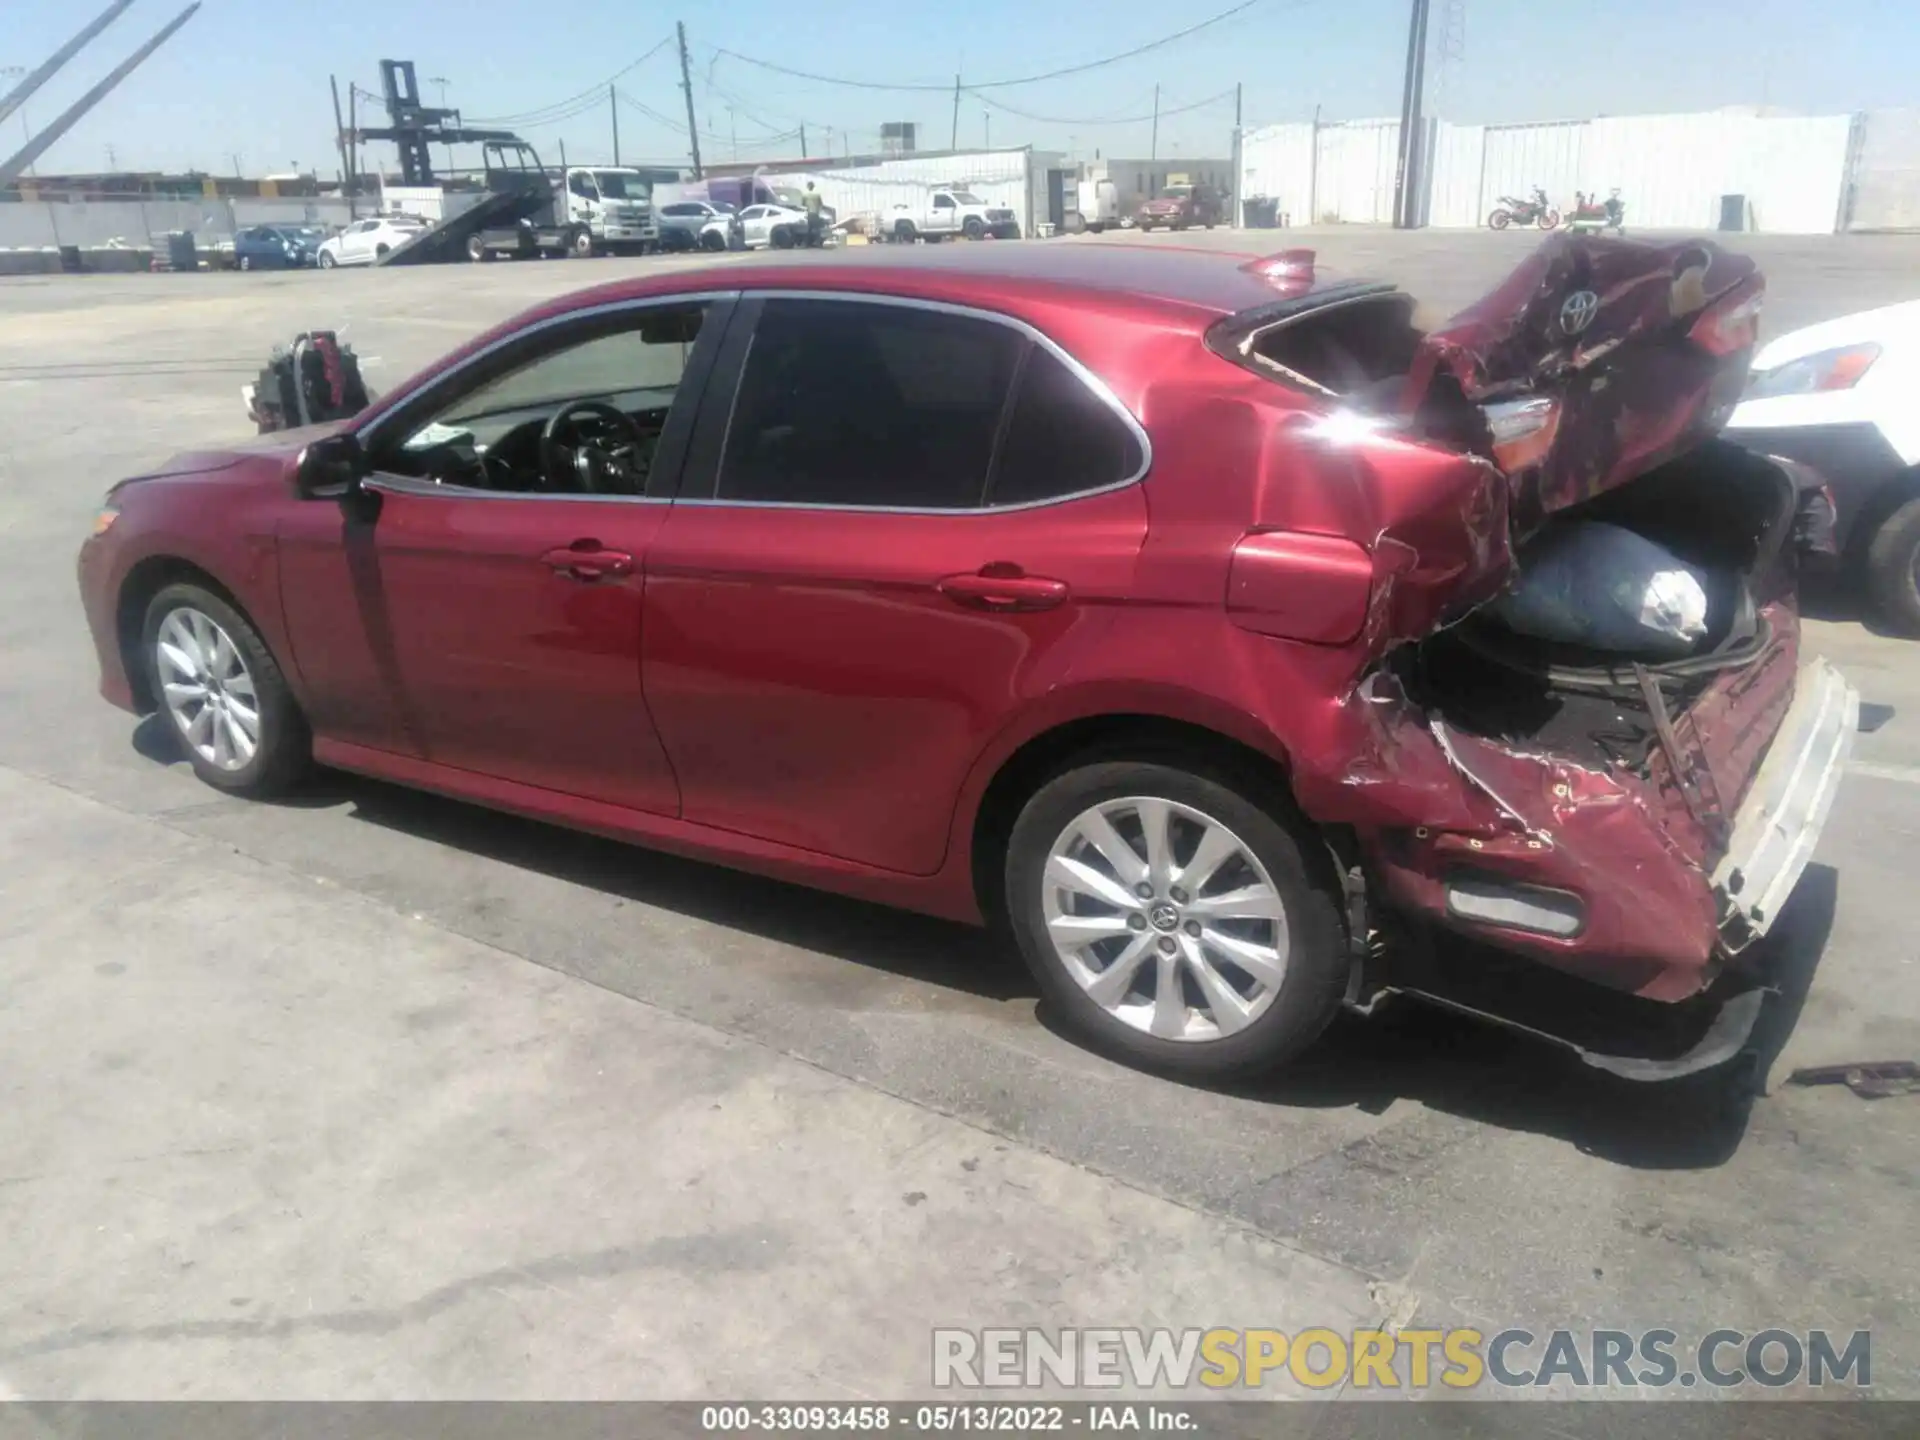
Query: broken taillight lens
(1523, 430)
(1727, 328)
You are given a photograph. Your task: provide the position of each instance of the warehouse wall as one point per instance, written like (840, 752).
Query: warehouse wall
(1670, 169)
(1886, 175)
(37, 224)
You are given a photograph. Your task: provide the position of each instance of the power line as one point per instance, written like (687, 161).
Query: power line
(1137, 50)
(596, 92)
(1111, 120)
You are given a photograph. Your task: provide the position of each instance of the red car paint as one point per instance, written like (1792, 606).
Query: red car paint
(812, 695)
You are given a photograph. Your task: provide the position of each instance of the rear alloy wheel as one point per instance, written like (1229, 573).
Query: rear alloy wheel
(223, 694)
(1893, 569)
(1173, 922)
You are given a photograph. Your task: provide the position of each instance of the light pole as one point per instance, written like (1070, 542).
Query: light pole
(441, 81)
(14, 72)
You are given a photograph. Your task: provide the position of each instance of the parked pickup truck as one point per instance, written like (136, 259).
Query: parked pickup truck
(951, 212)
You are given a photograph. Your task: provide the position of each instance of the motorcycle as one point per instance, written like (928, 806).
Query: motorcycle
(1597, 217)
(1513, 211)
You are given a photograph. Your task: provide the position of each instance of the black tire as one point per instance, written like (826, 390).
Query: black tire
(973, 227)
(1317, 963)
(285, 749)
(1499, 219)
(580, 244)
(1893, 569)
(380, 253)
(782, 237)
(246, 262)
(477, 250)
(712, 240)
(327, 262)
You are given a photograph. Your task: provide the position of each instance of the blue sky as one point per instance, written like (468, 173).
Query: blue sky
(250, 79)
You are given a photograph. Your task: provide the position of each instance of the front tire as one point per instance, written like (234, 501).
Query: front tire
(1549, 219)
(580, 244)
(1175, 922)
(973, 227)
(327, 262)
(222, 693)
(1893, 569)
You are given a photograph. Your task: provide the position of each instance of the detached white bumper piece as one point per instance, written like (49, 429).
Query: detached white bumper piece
(1780, 820)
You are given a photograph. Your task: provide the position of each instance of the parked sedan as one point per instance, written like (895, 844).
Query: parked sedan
(694, 224)
(366, 242)
(1081, 591)
(1844, 396)
(276, 247)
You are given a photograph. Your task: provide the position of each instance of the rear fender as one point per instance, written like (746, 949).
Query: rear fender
(1432, 522)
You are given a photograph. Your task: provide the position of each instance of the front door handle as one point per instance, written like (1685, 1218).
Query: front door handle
(1003, 592)
(585, 560)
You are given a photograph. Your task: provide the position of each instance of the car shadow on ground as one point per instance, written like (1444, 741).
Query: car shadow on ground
(1841, 599)
(1405, 1051)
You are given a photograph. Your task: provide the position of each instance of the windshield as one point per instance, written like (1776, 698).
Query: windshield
(616, 186)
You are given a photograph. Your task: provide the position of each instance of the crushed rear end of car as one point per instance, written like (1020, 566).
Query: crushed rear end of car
(1633, 808)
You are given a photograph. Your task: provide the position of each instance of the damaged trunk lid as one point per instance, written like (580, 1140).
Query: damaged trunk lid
(1594, 363)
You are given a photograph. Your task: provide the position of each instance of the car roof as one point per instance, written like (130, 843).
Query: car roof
(1206, 280)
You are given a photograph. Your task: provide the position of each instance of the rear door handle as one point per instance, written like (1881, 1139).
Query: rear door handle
(1004, 593)
(585, 560)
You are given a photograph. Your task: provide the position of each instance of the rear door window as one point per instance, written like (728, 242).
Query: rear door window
(871, 405)
(1062, 438)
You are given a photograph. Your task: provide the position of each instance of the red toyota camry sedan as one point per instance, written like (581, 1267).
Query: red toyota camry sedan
(1146, 603)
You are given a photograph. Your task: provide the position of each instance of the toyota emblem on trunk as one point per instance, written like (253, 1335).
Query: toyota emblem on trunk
(1577, 311)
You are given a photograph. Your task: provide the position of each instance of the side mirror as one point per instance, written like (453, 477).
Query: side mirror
(330, 468)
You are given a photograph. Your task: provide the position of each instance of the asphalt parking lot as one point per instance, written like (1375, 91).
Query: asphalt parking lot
(370, 1094)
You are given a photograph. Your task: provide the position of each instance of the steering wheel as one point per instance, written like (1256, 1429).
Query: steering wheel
(564, 465)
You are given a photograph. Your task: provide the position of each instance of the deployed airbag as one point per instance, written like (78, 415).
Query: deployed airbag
(1607, 588)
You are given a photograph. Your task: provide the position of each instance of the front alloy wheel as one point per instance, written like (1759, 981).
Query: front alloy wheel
(222, 693)
(1180, 919)
(208, 690)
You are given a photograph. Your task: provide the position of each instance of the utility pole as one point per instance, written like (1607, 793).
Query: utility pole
(1236, 219)
(803, 140)
(353, 146)
(986, 129)
(954, 142)
(686, 86)
(340, 139)
(1406, 184)
(613, 109)
(1153, 149)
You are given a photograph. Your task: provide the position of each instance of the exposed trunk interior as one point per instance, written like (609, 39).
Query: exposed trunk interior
(1719, 508)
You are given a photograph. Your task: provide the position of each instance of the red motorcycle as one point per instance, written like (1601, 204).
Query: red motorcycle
(1512, 211)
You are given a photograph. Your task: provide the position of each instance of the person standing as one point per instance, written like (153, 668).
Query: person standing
(812, 201)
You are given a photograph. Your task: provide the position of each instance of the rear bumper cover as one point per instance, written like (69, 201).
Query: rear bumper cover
(1659, 908)
(1787, 805)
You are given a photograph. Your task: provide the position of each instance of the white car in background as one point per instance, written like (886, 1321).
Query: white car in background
(779, 226)
(1844, 397)
(366, 241)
